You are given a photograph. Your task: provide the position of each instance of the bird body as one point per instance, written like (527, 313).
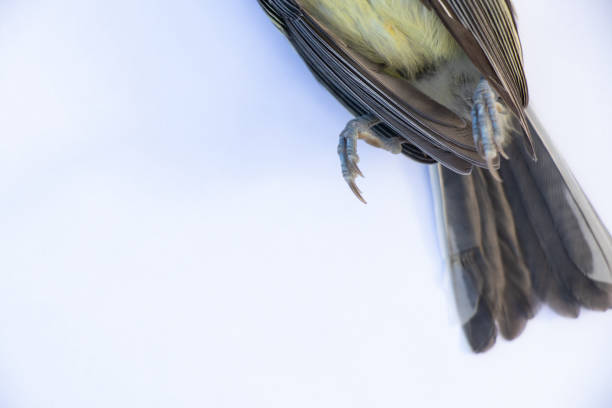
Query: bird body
(404, 36)
(443, 81)
(406, 40)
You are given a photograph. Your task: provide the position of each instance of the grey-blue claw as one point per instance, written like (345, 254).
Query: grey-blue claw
(361, 128)
(487, 125)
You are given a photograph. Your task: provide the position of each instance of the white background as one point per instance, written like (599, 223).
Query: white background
(175, 232)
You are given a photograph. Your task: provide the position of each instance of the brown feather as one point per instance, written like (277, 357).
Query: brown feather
(487, 32)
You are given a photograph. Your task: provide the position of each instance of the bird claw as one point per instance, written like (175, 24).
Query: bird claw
(347, 151)
(361, 128)
(486, 126)
(356, 190)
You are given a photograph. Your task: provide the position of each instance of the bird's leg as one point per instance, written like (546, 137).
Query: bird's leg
(487, 125)
(361, 128)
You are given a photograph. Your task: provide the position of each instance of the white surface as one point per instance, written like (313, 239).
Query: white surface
(175, 231)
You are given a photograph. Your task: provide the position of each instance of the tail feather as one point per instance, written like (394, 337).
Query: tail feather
(545, 277)
(518, 303)
(480, 330)
(532, 238)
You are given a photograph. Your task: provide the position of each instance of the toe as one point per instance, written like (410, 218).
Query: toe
(356, 190)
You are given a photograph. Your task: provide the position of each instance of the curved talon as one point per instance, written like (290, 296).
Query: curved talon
(493, 170)
(501, 151)
(349, 159)
(356, 191)
(360, 128)
(355, 169)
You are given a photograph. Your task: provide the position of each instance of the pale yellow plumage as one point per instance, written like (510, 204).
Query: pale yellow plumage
(500, 264)
(403, 35)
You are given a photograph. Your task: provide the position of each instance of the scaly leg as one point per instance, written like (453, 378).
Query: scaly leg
(361, 128)
(487, 125)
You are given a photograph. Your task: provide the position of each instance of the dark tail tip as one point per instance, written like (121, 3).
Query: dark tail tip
(480, 330)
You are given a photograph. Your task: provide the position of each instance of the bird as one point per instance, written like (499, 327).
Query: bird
(443, 83)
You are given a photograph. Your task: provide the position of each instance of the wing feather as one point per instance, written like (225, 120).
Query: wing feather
(486, 29)
(364, 88)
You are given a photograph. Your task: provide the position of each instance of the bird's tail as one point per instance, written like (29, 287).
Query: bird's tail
(534, 238)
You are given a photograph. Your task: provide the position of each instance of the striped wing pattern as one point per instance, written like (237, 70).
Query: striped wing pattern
(492, 26)
(485, 29)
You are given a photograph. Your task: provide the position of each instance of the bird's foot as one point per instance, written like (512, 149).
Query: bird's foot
(487, 125)
(361, 128)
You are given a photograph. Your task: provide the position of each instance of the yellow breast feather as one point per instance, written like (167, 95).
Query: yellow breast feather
(402, 35)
